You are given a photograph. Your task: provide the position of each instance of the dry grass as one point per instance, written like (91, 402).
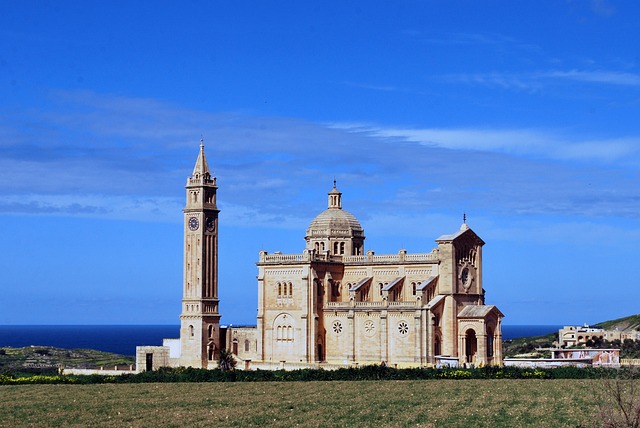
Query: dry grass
(455, 403)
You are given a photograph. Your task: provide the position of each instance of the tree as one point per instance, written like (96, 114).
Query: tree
(226, 361)
(619, 400)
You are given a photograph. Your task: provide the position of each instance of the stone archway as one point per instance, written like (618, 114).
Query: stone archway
(471, 345)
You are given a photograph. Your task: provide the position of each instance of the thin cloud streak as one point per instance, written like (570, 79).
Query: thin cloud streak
(269, 169)
(536, 81)
(521, 142)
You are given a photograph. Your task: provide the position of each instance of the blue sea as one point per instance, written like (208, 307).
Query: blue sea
(123, 339)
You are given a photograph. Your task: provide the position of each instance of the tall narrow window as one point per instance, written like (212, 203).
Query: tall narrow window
(290, 290)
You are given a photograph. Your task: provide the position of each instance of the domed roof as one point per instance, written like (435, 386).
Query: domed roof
(334, 220)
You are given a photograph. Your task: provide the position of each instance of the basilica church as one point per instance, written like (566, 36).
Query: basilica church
(336, 303)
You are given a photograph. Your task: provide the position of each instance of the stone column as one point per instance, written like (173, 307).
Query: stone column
(384, 340)
(430, 354)
(351, 355)
(419, 337)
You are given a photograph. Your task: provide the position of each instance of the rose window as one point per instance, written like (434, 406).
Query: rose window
(403, 328)
(369, 327)
(337, 327)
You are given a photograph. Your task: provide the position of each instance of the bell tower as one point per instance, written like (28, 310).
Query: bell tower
(200, 320)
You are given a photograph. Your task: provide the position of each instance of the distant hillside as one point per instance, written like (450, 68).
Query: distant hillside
(623, 324)
(47, 359)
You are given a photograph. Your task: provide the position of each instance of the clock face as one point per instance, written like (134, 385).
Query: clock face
(194, 223)
(211, 224)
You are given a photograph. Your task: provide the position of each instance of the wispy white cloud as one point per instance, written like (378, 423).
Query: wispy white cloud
(521, 142)
(603, 7)
(606, 77)
(535, 81)
(277, 170)
(116, 207)
(383, 88)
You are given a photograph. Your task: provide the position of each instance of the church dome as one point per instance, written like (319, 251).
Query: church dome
(335, 229)
(334, 219)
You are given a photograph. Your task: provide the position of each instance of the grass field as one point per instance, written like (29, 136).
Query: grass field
(438, 403)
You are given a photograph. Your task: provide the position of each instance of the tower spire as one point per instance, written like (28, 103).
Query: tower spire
(202, 167)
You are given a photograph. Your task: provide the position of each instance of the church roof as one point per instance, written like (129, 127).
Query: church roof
(393, 283)
(334, 218)
(477, 311)
(464, 229)
(424, 284)
(434, 302)
(360, 283)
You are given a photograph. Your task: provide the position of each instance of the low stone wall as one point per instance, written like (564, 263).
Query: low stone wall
(629, 362)
(115, 371)
(546, 362)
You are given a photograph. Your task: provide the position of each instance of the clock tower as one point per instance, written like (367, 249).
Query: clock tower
(200, 319)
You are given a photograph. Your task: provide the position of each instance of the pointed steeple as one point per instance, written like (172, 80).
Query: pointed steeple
(202, 168)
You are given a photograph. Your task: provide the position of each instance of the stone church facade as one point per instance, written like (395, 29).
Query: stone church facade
(337, 303)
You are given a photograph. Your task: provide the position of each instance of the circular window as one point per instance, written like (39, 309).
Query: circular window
(369, 328)
(337, 327)
(403, 328)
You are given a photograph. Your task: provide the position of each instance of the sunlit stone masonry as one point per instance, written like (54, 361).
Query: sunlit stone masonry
(336, 303)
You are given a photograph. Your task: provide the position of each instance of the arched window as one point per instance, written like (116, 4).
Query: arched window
(335, 289)
(290, 290)
(335, 248)
(289, 333)
(279, 289)
(342, 248)
(210, 331)
(246, 346)
(380, 287)
(191, 332)
(279, 333)
(413, 288)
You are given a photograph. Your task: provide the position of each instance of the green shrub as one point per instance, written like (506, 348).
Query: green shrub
(373, 372)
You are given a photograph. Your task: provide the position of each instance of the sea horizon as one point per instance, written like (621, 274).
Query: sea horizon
(123, 338)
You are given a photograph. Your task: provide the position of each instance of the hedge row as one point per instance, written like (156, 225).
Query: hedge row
(182, 374)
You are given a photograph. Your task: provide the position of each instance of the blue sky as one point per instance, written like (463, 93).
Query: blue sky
(524, 115)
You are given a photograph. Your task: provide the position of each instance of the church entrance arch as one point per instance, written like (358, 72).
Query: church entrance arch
(471, 345)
